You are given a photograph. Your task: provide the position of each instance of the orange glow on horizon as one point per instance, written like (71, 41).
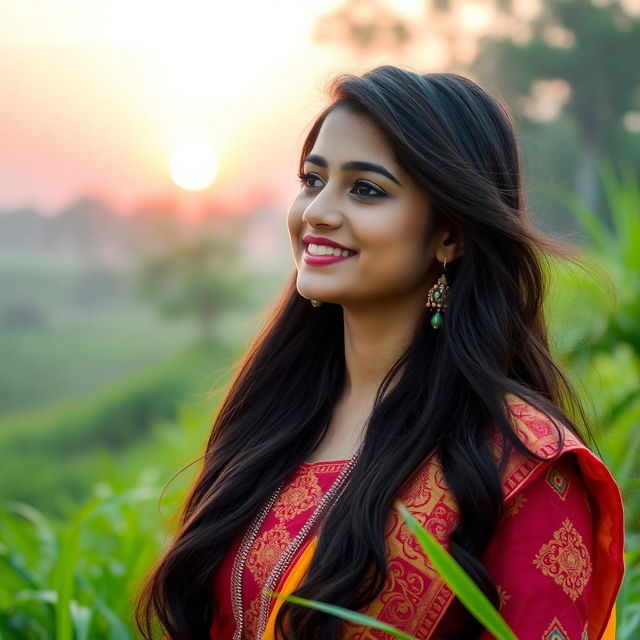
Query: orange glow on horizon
(98, 96)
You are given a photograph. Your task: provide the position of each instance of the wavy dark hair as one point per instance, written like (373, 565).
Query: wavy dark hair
(459, 144)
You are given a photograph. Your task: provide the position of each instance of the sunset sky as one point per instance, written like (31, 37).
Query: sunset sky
(101, 98)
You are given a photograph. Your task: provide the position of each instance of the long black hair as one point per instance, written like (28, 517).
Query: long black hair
(459, 144)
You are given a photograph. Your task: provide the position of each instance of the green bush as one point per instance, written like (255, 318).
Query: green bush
(51, 456)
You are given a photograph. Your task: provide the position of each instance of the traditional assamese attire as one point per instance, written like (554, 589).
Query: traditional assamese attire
(556, 556)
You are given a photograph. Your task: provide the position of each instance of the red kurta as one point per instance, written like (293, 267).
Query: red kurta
(556, 555)
(547, 531)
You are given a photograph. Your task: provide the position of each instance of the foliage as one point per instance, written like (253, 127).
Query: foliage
(198, 278)
(75, 580)
(460, 583)
(95, 557)
(345, 614)
(81, 433)
(614, 247)
(583, 44)
(597, 336)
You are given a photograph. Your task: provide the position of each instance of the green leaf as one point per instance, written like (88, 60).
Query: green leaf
(462, 585)
(63, 576)
(595, 228)
(117, 629)
(345, 614)
(81, 620)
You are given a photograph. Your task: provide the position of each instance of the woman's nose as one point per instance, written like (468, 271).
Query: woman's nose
(323, 210)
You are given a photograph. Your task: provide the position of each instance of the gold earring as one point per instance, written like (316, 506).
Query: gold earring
(316, 303)
(437, 298)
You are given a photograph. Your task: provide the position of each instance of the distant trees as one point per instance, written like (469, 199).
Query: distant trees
(590, 46)
(585, 50)
(198, 277)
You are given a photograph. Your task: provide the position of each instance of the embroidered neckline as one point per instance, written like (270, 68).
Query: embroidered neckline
(322, 508)
(311, 464)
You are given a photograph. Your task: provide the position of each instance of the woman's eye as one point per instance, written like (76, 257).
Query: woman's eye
(309, 180)
(365, 189)
(360, 188)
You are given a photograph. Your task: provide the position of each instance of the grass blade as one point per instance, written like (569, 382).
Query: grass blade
(595, 228)
(345, 614)
(467, 591)
(63, 576)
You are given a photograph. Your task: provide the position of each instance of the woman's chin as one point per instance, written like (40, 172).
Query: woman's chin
(323, 295)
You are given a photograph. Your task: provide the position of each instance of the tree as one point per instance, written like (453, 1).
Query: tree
(588, 48)
(198, 277)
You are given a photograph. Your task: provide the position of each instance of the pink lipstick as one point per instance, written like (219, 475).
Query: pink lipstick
(318, 261)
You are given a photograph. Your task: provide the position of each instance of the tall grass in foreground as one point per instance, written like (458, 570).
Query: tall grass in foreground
(76, 577)
(75, 581)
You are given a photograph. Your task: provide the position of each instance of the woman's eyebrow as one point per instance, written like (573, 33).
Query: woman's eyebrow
(360, 165)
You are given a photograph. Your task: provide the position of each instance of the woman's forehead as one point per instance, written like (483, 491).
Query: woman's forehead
(349, 135)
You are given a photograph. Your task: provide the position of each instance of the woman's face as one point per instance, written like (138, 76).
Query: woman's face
(355, 194)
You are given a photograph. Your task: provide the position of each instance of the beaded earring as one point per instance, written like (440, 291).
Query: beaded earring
(437, 298)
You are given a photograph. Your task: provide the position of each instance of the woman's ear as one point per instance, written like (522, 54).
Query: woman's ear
(450, 244)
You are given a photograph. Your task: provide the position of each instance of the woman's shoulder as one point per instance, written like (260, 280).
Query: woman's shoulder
(546, 437)
(554, 546)
(550, 440)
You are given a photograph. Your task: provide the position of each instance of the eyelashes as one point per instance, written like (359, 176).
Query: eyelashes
(360, 188)
(304, 177)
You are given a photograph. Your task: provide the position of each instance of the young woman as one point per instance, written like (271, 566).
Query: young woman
(407, 360)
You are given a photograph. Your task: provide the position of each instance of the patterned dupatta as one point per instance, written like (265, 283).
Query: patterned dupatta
(415, 598)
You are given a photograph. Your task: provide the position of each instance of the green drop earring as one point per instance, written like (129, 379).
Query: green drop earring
(437, 298)
(316, 303)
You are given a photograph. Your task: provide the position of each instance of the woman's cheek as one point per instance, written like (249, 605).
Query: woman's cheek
(294, 220)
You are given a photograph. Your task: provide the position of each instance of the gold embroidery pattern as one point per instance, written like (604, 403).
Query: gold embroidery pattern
(566, 560)
(558, 482)
(430, 502)
(537, 432)
(414, 597)
(555, 631)
(251, 616)
(503, 596)
(301, 495)
(266, 551)
(323, 466)
(516, 506)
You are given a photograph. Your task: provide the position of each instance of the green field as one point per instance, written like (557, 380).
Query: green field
(80, 335)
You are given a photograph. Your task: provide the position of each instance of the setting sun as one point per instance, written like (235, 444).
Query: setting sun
(193, 166)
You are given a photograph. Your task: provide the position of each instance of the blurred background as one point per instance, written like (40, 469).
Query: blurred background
(148, 154)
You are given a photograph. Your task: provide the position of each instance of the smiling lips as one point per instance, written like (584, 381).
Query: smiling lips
(319, 251)
(321, 254)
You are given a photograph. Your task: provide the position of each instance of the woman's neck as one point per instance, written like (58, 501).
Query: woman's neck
(372, 343)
